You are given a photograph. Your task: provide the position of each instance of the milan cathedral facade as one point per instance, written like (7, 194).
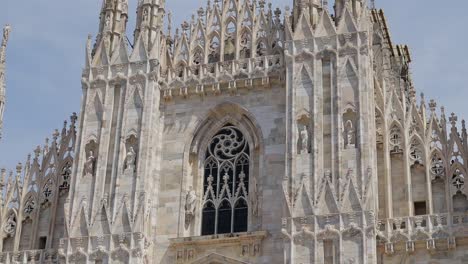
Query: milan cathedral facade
(248, 135)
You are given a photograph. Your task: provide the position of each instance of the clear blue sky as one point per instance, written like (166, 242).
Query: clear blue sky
(46, 55)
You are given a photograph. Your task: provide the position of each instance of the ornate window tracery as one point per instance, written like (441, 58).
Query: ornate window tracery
(458, 180)
(29, 206)
(226, 183)
(66, 175)
(48, 191)
(437, 167)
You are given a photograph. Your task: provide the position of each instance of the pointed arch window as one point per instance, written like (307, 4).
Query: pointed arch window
(437, 167)
(65, 177)
(226, 183)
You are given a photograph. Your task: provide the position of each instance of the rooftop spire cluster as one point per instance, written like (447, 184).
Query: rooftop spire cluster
(6, 36)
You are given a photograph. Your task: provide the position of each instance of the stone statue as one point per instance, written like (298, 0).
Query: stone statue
(107, 22)
(350, 135)
(304, 140)
(89, 43)
(89, 164)
(6, 35)
(124, 7)
(145, 15)
(10, 225)
(190, 206)
(131, 158)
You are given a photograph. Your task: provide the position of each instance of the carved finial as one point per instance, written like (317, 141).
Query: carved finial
(10, 179)
(28, 160)
(185, 27)
(37, 152)
(261, 4)
(169, 23)
(277, 13)
(201, 12)
(208, 7)
(423, 100)
(453, 119)
(2, 177)
(193, 19)
(432, 105)
(287, 11)
(73, 119)
(46, 146)
(64, 128)
(19, 169)
(56, 134)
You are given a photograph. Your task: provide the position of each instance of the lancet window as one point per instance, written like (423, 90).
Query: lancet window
(396, 139)
(226, 183)
(29, 206)
(47, 191)
(66, 174)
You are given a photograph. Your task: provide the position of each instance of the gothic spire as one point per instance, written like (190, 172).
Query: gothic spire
(6, 35)
(309, 8)
(150, 16)
(356, 6)
(113, 23)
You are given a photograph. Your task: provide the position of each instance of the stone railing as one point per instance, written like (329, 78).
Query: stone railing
(30, 256)
(214, 77)
(125, 247)
(439, 230)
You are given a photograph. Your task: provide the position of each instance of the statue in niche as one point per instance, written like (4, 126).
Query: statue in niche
(107, 22)
(304, 140)
(10, 225)
(328, 175)
(229, 49)
(350, 134)
(130, 159)
(190, 206)
(145, 15)
(89, 164)
(261, 49)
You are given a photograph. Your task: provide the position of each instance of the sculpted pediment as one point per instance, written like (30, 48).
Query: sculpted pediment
(239, 248)
(215, 258)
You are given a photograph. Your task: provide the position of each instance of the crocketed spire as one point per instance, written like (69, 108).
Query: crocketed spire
(6, 35)
(113, 23)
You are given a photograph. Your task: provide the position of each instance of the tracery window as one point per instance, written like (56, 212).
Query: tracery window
(458, 180)
(226, 183)
(437, 167)
(47, 191)
(66, 175)
(29, 206)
